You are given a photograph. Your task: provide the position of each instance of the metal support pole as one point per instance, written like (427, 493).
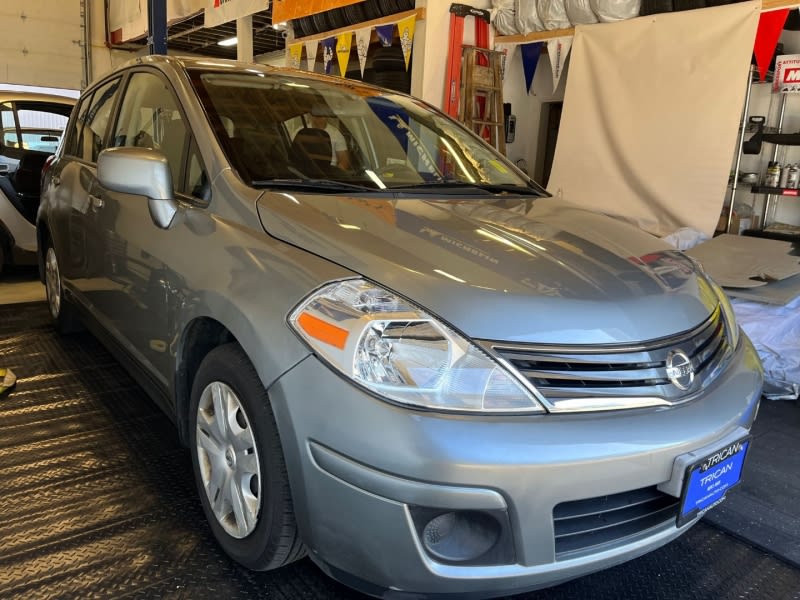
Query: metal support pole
(86, 44)
(157, 26)
(742, 132)
(768, 200)
(244, 39)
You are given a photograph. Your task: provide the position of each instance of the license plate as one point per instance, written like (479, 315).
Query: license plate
(708, 479)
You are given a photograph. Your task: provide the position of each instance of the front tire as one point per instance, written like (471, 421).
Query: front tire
(238, 463)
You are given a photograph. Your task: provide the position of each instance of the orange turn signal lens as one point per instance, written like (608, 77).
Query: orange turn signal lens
(322, 330)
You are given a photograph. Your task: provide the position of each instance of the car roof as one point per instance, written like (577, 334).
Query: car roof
(14, 96)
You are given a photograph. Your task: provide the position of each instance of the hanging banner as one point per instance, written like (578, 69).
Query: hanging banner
(294, 54)
(770, 28)
(385, 34)
(328, 50)
(787, 74)
(530, 59)
(311, 54)
(363, 37)
(406, 30)
(283, 10)
(221, 11)
(343, 43)
(558, 50)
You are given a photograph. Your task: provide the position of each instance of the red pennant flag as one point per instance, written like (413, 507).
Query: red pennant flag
(770, 26)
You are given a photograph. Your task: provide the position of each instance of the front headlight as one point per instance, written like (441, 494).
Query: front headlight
(727, 313)
(395, 349)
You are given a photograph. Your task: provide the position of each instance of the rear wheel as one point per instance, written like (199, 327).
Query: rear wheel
(62, 312)
(238, 463)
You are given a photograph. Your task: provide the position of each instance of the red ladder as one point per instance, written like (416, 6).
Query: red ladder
(458, 12)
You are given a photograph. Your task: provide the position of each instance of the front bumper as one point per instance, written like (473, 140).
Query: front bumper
(361, 470)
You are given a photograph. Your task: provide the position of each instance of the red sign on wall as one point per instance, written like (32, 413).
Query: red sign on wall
(284, 10)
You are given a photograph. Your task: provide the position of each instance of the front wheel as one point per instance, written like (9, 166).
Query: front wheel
(238, 463)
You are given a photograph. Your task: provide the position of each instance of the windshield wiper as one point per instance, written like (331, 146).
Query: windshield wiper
(314, 185)
(494, 188)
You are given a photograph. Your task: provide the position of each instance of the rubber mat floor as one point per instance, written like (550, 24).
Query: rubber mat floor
(98, 501)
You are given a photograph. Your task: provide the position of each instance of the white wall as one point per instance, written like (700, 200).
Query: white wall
(528, 106)
(40, 43)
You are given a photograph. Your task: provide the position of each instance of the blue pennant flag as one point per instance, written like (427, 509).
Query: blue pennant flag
(530, 58)
(385, 34)
(328, 52)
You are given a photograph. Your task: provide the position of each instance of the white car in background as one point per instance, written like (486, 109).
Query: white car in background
(32, 124)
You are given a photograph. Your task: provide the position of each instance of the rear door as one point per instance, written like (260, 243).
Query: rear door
(72, 180)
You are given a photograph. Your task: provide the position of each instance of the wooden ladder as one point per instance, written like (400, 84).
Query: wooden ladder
(481, 105)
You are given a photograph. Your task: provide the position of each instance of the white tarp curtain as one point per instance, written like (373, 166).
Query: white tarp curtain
(651, 113)
(41, 43)
(128, 18)
(222, 11)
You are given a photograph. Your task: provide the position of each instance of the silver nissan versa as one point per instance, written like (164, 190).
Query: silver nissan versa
(385, 346)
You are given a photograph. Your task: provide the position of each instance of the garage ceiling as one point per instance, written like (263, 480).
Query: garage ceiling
(189, 35)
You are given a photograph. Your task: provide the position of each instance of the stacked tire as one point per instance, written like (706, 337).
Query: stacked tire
(353, 14)
(389, 69)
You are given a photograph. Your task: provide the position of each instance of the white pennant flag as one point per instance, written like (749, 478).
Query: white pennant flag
(363, 37)
(558, 50)
(508, 54)
(311, 54)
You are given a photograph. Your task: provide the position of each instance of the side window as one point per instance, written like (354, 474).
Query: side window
(97, 118)
(149, 118)
(71, 143)
(10, 137)
(197, 184)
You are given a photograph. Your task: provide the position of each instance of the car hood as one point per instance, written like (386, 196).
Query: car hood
(521, 270)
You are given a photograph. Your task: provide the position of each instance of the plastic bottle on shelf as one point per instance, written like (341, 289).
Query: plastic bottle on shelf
(794, 177)
(784, 178)
(773, 175)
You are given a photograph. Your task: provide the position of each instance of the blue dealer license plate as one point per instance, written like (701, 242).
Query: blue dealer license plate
(708, 480)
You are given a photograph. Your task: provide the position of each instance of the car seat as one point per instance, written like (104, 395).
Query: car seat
(312, 148)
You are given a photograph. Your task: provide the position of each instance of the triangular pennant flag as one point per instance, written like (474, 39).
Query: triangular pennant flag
(406, 30)
(530, 59)
(328, 50)
(311, 54)
(362, 46)
(770, 27)
(343, 43)
(507, 51)
(385, 34)
(294, 53)
(558, 50)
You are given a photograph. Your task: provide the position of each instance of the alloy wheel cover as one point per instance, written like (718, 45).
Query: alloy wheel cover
(52, 279)
(228, 460)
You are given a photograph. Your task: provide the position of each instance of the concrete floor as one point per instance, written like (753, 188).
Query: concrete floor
(20, 285)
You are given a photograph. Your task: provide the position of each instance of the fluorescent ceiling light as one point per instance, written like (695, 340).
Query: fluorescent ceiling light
(228, 42)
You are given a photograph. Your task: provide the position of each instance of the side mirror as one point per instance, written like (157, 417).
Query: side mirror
(143, 172)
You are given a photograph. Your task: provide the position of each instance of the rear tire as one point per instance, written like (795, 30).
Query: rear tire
(65, 318)
(238, 463)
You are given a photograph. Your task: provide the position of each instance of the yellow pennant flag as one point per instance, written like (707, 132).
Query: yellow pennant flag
(295, 54)
(343, 43)
(406, 31)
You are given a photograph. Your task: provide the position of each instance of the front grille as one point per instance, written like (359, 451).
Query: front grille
(562, 373)
(583, 525)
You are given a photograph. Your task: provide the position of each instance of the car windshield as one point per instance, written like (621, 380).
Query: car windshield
(280, 129)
